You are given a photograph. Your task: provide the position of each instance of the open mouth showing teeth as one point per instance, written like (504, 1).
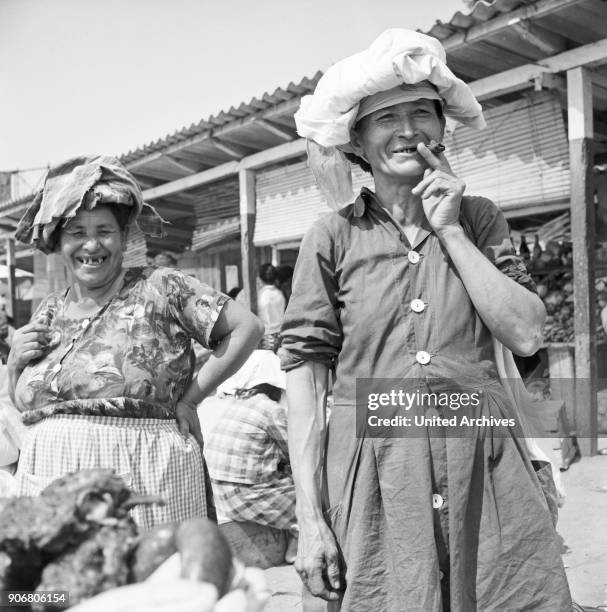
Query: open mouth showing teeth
(405, 150)
(91, 261)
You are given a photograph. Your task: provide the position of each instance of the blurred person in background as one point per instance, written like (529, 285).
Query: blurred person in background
(271, 305)
(284, 279)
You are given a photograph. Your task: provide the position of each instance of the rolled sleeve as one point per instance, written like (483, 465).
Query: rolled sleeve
(311, 330)
(492, 237)
(195, 306)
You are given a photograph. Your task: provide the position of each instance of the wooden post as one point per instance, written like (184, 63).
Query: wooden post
(10, 268)
(246, 182)
(579, 103)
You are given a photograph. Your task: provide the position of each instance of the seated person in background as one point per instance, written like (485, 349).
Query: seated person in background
(246, 448)
(271, 306)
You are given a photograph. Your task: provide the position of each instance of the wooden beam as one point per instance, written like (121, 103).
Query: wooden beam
(580, 128)
(505, 22)
(155, 173)
(276, 130)
(188, 156)
(233, 150)
(591, 55)
(257, 160)
(524, 76)
(183, 165)
(544, 41)
(248, 210)
(507, 82)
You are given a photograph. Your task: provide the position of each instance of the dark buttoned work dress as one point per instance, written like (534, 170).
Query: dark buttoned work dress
(425, 523)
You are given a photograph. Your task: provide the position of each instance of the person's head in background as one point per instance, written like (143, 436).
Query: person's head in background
(234, 291)
(267, 274)
(284, 278)
(164, 260)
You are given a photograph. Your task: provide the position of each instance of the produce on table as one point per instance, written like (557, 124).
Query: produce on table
(554, 280)
(193, 539)
(100, 563)
(77, 536)
(37, 530)
(154, 548)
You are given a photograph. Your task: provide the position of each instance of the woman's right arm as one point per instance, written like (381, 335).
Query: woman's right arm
(317, 558)
(29, 342)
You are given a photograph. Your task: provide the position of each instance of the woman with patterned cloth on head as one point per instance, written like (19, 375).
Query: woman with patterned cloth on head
(102, 371)
(411, 281)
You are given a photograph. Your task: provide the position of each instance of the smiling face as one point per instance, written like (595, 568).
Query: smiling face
(92, 246)
(387, 139)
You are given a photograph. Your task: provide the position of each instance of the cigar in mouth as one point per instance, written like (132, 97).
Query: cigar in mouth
(436, 147)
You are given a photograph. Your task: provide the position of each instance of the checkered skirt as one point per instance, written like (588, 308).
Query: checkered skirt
(268, 503)
(149, 454)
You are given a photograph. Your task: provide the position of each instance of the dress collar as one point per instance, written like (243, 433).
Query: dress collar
(367, 199)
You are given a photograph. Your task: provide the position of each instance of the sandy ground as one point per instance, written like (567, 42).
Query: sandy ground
(582, 524)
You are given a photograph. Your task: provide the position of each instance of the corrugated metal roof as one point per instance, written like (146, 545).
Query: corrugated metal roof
(293, 91)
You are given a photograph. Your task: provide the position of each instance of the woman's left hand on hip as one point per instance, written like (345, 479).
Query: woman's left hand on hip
(440, 190)
(187, 421)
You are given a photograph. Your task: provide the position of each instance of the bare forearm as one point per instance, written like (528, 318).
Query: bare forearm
(306, 396)
(513, 314)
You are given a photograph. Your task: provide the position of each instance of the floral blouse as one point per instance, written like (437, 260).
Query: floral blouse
(131, 359)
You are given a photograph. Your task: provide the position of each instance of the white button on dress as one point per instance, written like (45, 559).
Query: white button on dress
(422, 357)
(413, 257)
(417, 306)
(437, 501)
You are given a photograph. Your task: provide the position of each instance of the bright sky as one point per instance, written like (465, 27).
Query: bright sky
(87, 76)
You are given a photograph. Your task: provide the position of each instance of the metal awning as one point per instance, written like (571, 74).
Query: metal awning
(209, 235)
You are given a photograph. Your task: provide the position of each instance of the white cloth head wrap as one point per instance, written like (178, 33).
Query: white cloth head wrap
(262, 367)
(395, 58)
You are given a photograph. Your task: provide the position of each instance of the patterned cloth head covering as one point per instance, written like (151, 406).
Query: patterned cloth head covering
(83, 182)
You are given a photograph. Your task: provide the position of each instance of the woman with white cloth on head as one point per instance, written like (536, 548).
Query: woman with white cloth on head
(410, 282)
